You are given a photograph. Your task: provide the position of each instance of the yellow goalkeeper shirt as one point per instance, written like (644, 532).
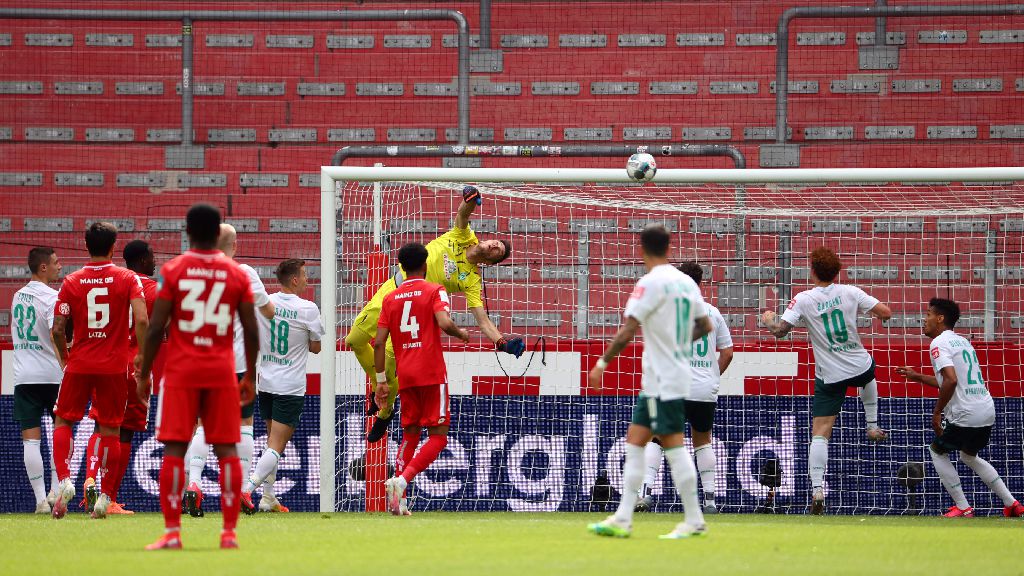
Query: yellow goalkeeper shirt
(447, 265)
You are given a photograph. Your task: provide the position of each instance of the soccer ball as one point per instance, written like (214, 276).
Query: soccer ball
(641, 167)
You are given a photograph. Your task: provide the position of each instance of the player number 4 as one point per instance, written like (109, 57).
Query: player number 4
(209, 312)
(409, 323)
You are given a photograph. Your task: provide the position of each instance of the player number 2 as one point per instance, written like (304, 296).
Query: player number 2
(837, 333)
(99, 312)
(409, 323)
(25, 316)
(209, 312)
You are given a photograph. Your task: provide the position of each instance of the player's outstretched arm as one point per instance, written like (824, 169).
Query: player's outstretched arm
(513, 345)
(446, 324)
(881, 311)
(471, 198)
(380, 344)
(775, 325)
(915, 376)
(618, 343)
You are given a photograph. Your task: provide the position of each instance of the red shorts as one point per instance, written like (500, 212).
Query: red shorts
(178, 408)
(425, 406)
(107, 392)
(136, 414)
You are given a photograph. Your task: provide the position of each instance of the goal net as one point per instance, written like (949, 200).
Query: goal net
(527, 434)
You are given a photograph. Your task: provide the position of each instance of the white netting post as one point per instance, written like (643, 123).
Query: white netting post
(328, 359)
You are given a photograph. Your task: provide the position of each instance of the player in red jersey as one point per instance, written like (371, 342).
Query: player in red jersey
(200, 291)
(97, 298)
(138, 257)
(414, 316)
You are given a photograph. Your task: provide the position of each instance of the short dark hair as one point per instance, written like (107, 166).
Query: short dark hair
(100, 238)
(693, 270)
(825, 263)
(508, 251)
(39, 256)
(412, 257)
(203, 223)
(655, 239)
(288, 269)
(134, 252)
(949, 310)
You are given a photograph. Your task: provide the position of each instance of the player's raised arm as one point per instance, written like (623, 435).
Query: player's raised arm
(471, 199)
(776, 326)
(445, 322)
(915, 376)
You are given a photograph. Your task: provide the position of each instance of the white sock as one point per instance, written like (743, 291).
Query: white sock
(652, 464)
(632, 477)
(196, 456)
(34, 467)
(684, 476)
(817, 461)
(869, 398)
(706, 464)
(950, 478)
(989, 476)
(245, 449)
(267, 463)
(268, 483)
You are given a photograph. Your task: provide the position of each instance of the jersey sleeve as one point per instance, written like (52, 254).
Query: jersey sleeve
(385, 313)
(315, 324)
(941, 356)
(723, 338)
(641, 302)
(864, 300)
(440, 301)
(259, 291)
(794, 314)
(51, 303)
(62, 307)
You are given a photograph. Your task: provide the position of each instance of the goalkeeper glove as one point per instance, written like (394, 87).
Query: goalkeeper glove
(513, 345)
(471, 194)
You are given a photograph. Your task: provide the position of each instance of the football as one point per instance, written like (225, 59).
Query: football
(641, 167)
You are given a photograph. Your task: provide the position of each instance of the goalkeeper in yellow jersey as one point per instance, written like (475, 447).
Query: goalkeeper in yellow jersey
(453, 260)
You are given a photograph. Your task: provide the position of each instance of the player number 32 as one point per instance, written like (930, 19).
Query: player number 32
(210, 311)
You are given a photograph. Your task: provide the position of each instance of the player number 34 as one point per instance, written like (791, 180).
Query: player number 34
(210, 311)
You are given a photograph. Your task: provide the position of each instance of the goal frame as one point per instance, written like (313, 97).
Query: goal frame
(330, 204)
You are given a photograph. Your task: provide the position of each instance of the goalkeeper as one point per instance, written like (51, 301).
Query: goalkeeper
(453, 261)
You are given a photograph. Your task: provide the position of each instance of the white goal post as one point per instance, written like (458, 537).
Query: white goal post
(332, 205)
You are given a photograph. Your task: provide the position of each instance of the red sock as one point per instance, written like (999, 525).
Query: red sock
(405, 453)
(426, 456)
(62, 451)
(172, 482)
(110, 460)
(230, 489)
(92, 456)
(115, 475)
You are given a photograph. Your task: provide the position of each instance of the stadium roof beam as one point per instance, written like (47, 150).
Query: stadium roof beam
(191, 154)
(782, 154)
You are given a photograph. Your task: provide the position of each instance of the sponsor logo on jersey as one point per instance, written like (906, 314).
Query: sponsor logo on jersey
(638, 293)
(65, 309)
(792, 303)
(935, 353)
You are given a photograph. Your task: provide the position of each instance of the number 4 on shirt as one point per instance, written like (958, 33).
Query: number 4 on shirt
(409, 323)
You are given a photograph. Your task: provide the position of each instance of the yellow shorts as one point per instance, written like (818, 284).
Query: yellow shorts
(366, 321)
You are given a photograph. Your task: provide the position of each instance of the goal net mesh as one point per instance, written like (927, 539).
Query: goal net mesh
(527, 434)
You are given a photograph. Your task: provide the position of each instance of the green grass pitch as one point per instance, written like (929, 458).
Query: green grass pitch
(444, 544)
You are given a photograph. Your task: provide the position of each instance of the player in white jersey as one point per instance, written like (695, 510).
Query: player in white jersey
(700, 403)
(964, 412)
(829, 312)
(198, 449)
(669, 306)
(37, 368)
(285, 342)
